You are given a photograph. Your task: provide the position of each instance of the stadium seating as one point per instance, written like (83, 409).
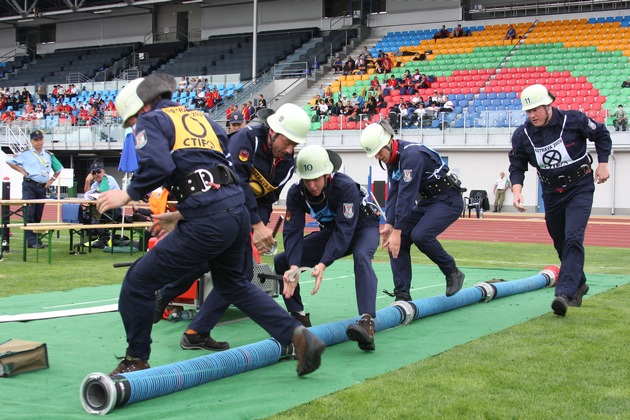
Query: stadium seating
(582, 61)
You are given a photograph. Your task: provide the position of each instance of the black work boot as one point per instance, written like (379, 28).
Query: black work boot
(363, 333)
(454, 282)
(308, 350)
(581, 291)
(560, 304)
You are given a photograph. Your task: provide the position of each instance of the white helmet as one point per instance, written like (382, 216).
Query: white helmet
(534, 96)
(374, 138)
(128, 103)
(312, 162)
(142, 91)
(291, 121)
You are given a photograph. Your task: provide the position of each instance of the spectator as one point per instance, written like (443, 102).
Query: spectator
(237, 121)
(42, 91)
(511, 33)
(447, 106)
(361, 65)
(97, 182)
(626, 84)
(458, 31)
(199, 101)
(262, 102)
(348, 67)
(322, 108)
(245, 111)
(366, 53)
(388, 64)
(230, 109)
(337, 108)
(621, 119)
(441, 33)
(251, 110)
(216, 96)
(378, 67)
(337, 64)
(182, 85)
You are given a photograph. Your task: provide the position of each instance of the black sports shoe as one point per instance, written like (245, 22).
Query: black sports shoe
(200, 342)
(363, 333)
(581, 291)
(40, 246)
(454, 282)
(560, 304)
(160, 306)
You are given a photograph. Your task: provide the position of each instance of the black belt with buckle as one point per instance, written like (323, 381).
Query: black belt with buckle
(203, 180)
(436, 188)
(39, 184)
(565, 180)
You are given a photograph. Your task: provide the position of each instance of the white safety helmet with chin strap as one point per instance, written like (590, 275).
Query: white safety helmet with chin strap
(291, 121)
(374, 138)
(534, 96)
(312, 162)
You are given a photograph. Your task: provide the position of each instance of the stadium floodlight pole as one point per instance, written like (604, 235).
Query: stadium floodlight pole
(100, 393)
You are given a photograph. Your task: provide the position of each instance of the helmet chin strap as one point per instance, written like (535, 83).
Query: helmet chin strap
(393, 153)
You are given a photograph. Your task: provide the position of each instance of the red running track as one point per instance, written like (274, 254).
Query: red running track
(609, 231)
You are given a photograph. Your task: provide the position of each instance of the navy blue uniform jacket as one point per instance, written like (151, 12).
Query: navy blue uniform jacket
(577, 130)
(416, 166)
(171, 143)
(340, 211)
(255, 164)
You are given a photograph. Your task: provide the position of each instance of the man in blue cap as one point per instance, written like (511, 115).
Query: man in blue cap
(35, 164)
(97, 182)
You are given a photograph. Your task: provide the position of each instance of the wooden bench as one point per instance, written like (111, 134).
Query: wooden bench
(47, 229)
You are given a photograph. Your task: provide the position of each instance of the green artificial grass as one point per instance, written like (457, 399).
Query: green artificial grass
(549, 367)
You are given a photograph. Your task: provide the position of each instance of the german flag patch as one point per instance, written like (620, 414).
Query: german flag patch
(243, 155)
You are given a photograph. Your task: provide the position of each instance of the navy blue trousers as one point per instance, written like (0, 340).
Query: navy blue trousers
(566, 215)
(426, 221)
(216, 240)
(176, 288)
(362, 247)
(32, 191)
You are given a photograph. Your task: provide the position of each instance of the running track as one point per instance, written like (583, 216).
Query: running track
(610, 231)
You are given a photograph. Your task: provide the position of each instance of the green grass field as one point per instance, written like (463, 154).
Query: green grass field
(549, 367)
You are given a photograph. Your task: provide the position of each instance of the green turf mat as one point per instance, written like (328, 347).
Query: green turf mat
(80, 345)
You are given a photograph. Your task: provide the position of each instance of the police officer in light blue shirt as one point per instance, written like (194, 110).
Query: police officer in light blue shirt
(35, 164)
